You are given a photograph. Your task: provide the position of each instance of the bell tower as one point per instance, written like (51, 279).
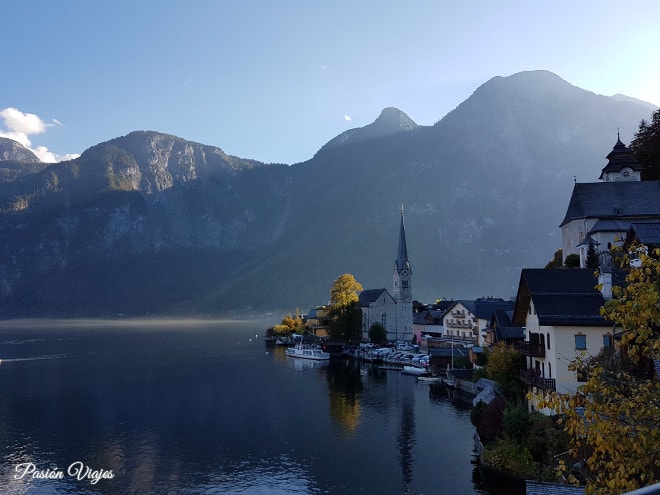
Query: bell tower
(402, 287)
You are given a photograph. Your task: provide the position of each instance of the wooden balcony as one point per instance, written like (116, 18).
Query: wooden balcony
(532, 378)
(530, 349)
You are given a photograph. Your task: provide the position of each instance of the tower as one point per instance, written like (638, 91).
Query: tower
(402, 288)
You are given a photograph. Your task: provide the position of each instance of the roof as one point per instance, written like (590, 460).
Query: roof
(614, 200)
(540, 488)
(647, 233)
(620, 157)
(561, 297)
(369, 296)
(484, 307)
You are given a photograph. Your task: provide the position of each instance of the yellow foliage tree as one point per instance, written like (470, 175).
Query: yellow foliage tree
(613, 418)
(345, 291)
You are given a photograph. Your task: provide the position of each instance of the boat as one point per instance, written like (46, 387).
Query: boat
(414, 370)
(307, 351)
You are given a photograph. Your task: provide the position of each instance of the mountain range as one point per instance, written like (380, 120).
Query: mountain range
(150, 223)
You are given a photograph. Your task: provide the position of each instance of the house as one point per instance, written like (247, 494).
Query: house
(502, 330)
(601, 213)
(466, 321)
(427, 327)
(317, 321)
(560, 310)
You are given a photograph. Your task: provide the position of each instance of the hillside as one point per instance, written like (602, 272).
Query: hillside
(150, 223)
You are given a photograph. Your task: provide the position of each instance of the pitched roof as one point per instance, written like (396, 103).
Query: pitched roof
(483, 308)
(614, 200)
(371, 295)
(560, 297)
(647, 233)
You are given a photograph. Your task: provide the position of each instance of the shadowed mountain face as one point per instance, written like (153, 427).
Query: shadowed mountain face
(151, 223)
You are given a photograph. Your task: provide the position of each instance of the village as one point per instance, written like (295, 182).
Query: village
(554, 319)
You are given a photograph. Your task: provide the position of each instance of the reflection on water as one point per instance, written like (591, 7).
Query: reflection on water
(211, 409)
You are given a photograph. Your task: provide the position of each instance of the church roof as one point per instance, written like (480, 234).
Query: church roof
(614, 200)
(621, 156)
(371, 295)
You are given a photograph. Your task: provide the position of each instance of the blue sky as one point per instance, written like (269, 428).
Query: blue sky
(275, 80)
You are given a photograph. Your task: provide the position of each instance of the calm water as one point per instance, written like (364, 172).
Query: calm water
(206, 408)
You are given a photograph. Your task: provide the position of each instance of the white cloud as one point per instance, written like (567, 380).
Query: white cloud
(347, 118)
(20, 126)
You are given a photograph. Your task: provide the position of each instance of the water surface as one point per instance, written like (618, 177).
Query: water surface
(208, 407)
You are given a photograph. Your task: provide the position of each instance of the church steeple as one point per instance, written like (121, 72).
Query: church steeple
(402, 285)
(402, 262)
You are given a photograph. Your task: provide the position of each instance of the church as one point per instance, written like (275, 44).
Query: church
(393, 311)
(602, 213)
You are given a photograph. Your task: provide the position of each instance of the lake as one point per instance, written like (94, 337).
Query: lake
(206, 407)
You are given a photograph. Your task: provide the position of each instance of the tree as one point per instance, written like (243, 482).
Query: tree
(345, 290)
(345, 309)
(504, 365)
(646, 147)
(593, 261)
(377, 334)
(572, 261)
(555, 262)
(613, 418)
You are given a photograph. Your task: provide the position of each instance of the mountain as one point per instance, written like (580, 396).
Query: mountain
(11, 150)
(151, 223)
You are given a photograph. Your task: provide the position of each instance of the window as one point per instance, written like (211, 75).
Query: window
(383, 321)
(548, 339)
(581, 342)
(608, 341)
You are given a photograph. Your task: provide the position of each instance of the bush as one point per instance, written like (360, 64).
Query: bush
(516, 422)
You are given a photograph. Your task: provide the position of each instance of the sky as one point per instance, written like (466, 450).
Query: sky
(274, 80)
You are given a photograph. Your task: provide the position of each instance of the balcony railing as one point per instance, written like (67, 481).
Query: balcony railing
(530, 349)
(531, 377)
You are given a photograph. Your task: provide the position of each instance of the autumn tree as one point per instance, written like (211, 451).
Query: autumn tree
(345, 309)
(613, 418)
(290, 324)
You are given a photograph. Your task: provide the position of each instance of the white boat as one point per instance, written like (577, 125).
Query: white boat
(414, 370)
(306, 351)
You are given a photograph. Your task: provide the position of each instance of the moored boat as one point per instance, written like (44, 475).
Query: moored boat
(414, 370)
(306, 351)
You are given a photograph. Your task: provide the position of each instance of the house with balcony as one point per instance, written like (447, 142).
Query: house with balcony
(560, 311)
(466, 321)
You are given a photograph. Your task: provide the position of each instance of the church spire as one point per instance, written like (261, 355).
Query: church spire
(402, 252)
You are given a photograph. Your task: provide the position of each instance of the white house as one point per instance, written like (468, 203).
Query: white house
(560, 311)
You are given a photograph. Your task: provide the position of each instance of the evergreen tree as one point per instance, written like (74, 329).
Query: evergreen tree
(593, 261)
(646, 147)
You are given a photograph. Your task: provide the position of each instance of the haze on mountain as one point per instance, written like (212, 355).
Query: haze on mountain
(151, 223)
